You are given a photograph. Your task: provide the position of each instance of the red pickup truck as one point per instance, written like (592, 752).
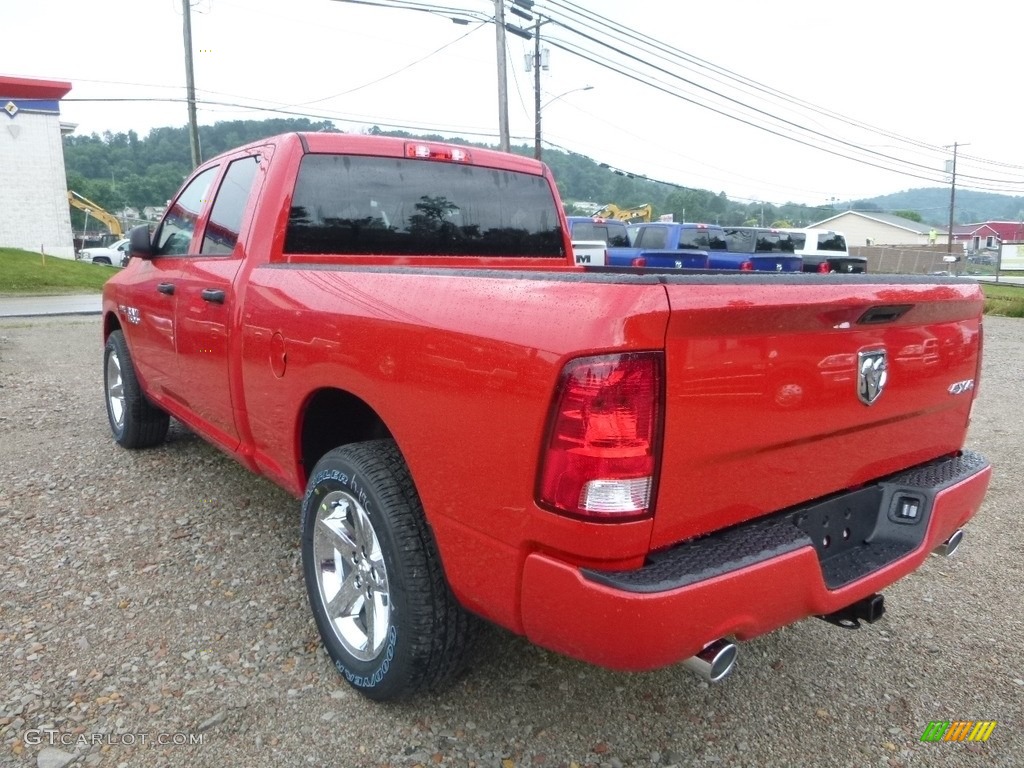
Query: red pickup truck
(634, 469)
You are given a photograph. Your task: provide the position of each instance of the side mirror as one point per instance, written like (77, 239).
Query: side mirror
(139, 243)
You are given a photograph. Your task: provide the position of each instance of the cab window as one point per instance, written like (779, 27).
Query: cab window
(179, 224)
(226, 217)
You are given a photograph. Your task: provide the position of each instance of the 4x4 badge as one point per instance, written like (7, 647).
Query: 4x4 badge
(872, 372)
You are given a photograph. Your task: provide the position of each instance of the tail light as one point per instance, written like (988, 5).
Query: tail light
(604, 438)
(639, 261)
(747, 266)
(823, 267)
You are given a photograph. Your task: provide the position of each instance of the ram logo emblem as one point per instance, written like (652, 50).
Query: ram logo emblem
(872, 373)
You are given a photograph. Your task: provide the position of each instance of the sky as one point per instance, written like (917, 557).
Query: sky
(801, 101)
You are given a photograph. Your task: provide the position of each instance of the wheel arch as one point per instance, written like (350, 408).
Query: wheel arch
(110, 324)
(331, 417)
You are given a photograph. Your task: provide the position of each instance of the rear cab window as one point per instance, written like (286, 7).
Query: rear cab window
(812, 242)
(740, 240)
(702, 238)
(774, 242)
(611, 232)
(832, 241)
(653, 238)
(388, 206)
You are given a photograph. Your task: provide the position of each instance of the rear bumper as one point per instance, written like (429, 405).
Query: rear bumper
(755, 577)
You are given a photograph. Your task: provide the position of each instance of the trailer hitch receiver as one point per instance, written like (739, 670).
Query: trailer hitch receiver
(869, 609)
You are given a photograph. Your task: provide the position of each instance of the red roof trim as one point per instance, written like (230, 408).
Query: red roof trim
(31, 88)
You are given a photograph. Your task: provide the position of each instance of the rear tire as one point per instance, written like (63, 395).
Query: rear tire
(385, 612)
(134, 421)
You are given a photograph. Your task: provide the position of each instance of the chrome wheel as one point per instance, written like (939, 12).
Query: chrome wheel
(351, 577)
(115, 390)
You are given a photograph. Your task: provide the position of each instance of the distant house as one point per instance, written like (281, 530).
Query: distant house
(871, 228)
(586, 207)
(154, 212)
(988, 235)
(128, 213)
(34, 213)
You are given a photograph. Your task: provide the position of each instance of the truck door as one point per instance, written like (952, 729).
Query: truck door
(152, 294)
(207, 312)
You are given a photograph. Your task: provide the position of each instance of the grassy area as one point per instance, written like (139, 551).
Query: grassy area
(1007, 300)
(25, 273)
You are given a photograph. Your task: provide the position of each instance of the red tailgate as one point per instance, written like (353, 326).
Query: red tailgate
(765, 408)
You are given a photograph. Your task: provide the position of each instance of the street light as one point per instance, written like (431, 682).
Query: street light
(539, 107)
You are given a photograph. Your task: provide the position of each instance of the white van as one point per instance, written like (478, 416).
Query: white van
(824, 250)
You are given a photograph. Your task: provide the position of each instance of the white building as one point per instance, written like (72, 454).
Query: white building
(34, 213)
(872, 228)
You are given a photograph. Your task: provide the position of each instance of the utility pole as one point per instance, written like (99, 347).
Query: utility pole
(499, 27)
(952, 199)
(536, 88)
(190, 81)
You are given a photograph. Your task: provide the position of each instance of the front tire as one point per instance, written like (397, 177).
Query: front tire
(385, 612)
(134, 421)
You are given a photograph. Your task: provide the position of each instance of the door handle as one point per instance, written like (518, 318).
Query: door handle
(213, 295)
(167, 288)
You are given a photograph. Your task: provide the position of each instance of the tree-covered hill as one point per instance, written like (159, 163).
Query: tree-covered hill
(121, 169)
(124, 169)
(933, 205)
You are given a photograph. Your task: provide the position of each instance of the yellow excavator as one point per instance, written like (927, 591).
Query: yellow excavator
(91, 209)
(641, 213)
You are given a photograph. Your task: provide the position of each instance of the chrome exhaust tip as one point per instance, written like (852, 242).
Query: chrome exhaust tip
(950, 545)
(715, 662)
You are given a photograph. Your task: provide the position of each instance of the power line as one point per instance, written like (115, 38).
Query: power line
(782, 124)
(593, 48)
(609, 29)
(396, 72)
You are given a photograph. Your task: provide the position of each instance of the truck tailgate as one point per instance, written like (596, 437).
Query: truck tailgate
(784, 401)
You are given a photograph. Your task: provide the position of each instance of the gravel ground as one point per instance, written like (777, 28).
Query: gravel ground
(152, 613)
